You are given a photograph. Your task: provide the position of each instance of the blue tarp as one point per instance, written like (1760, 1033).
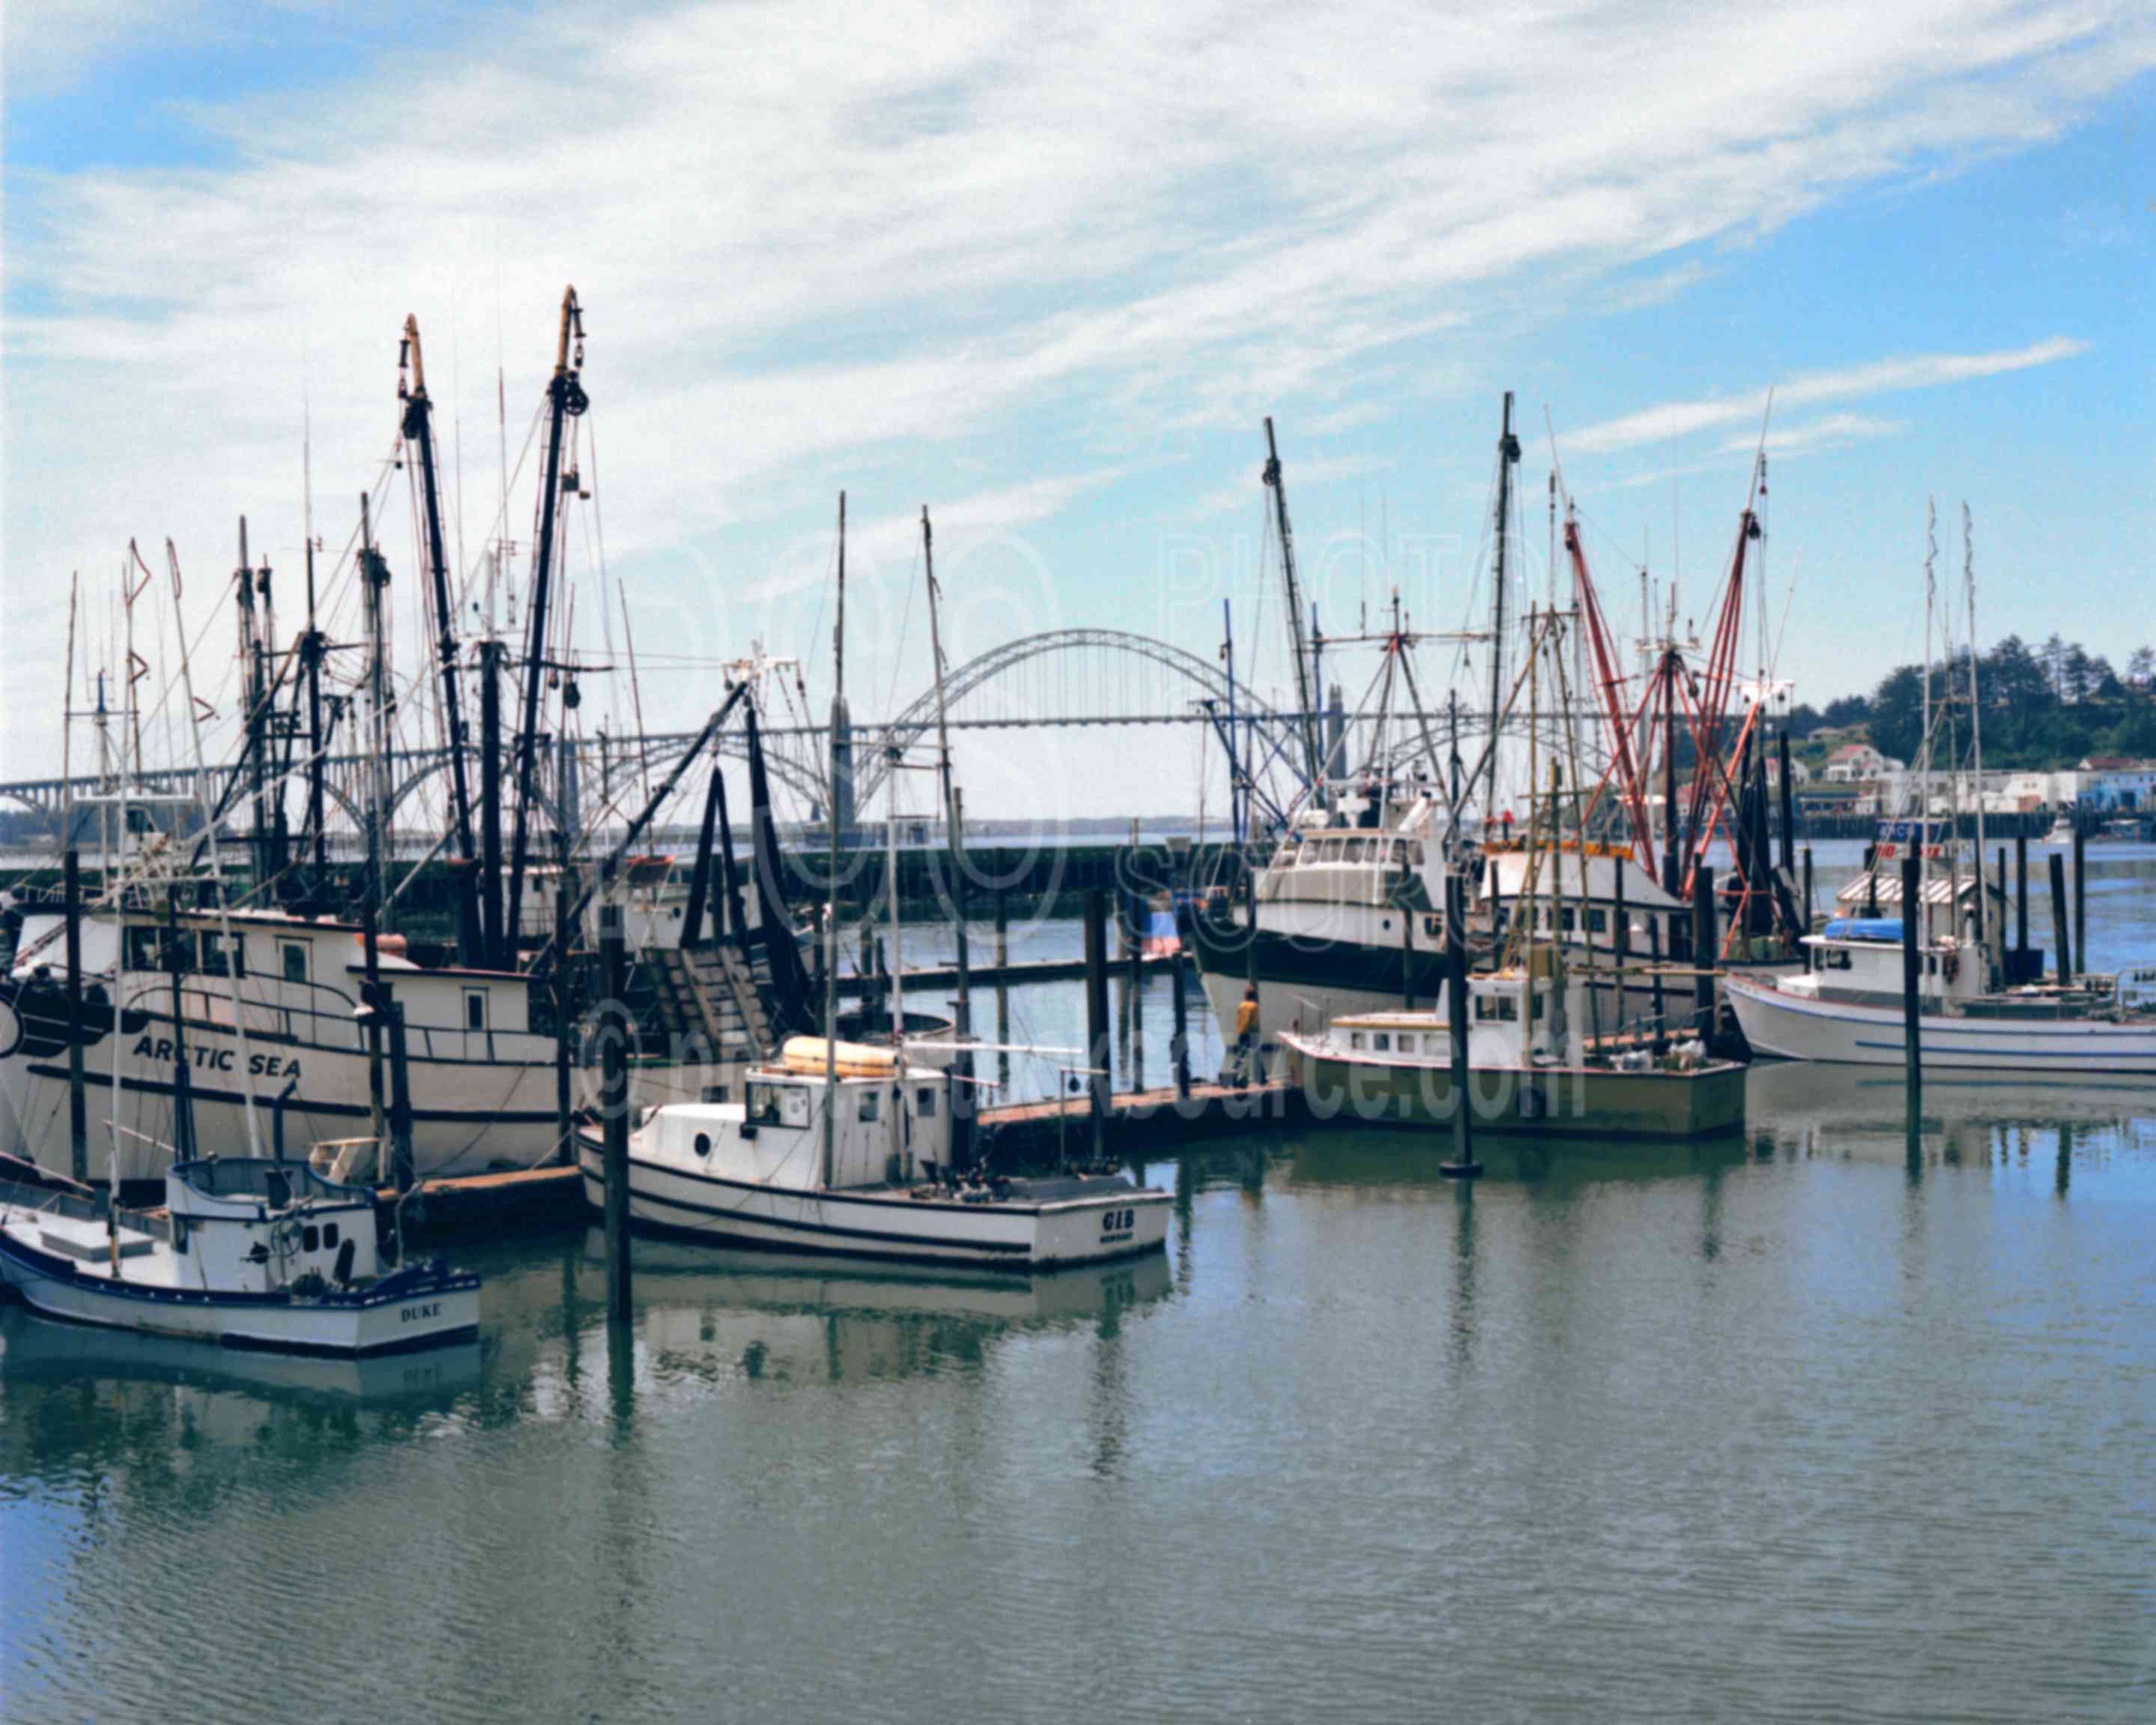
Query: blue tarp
(1884, 929)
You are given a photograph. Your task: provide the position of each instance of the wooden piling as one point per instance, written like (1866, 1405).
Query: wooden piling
(78, 1101)
(1621, 941)
(401, 1165)
(1704, 950)
(1096, 1017)
(1661, 1000)
(1807, 893)
(1912, 923)
(1181, 1051)
(565, 890)
(2080, 900)
(1463, 1165)
(2060, 926)
(613, 1106)
(2021, 907)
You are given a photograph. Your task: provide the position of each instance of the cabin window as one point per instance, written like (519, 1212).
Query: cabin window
(1500, 1008)
(1414, 852)
(292, 957)
(329, 1237)
(1598, 922)
(1407, 1042)
(926, 1105)
(214, 961)
(714, 1093)
(1355, 1039)
(1569, 919)
(761, 1103)
(1381, 1041)
(870, 1101)
(180, 1234)
(310, 1239)
(703, 1143)
(1355, 850)
(144, 949)
(474, 1008)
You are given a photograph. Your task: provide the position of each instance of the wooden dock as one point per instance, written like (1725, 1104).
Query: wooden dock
(993, 976)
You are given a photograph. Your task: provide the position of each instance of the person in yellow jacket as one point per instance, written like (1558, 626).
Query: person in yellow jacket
(1246, 1033)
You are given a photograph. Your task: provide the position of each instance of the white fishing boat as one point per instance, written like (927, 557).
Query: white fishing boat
(859, 1164)
(2062, 833)
(1848, 1007)
(265, 1006)
(249, 1253)
(1532, 1067)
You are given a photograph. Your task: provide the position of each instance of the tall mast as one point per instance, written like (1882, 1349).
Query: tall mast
(1924, 773)
(952, 847)
(565, 400)
(250, 683)
(310, 656)
(831, 879)
(374, 579)
(1508, 452)
(491, 654)
(1307, 716)
(1975, 729)
(418, 430)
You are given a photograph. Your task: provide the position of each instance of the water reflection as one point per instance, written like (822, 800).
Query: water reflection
(706, 1314)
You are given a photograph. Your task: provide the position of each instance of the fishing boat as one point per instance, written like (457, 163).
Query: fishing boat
(249, 1253)
(1531, 1067)
(859, 1163)
(2062, 833)
(219, 1011)
(1344, 914)
(1848, 1008)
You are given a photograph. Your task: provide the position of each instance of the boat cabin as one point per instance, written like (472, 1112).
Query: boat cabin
(1517, 1018)
(891, 1124)
(250, 1224)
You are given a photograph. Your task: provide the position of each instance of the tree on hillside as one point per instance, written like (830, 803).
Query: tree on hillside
(1897, 714)
(2141, 666)
(1845, 710)
(2077, 675)
(2054, 658)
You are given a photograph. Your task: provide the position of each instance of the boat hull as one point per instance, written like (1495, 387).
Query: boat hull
(1846, 1033)
(885, 1223)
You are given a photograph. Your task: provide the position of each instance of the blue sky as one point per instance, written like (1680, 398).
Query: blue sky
(1047, 275)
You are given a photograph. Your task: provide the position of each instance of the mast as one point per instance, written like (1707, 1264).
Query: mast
(1508, 452)
(310, 654)
(490, 768)
(952, 843)
(418, 430)
(1307, 716)
(1975, 733)
(1924, 773)
(831, 873)
(374, 579)
(566, 401)
(250, 683)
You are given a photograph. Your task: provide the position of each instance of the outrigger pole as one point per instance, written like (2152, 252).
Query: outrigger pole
(419, 431)
(566, 401)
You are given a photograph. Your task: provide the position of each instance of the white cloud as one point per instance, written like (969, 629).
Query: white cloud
(1925, 371)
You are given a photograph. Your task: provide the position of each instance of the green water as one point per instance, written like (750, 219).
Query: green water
(1810, 1424)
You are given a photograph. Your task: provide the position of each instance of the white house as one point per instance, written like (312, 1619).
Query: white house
(1860, 763)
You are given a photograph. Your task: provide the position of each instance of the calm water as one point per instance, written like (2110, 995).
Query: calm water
(1814, 1423)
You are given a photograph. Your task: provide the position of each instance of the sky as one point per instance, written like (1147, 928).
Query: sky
(1047, 272)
